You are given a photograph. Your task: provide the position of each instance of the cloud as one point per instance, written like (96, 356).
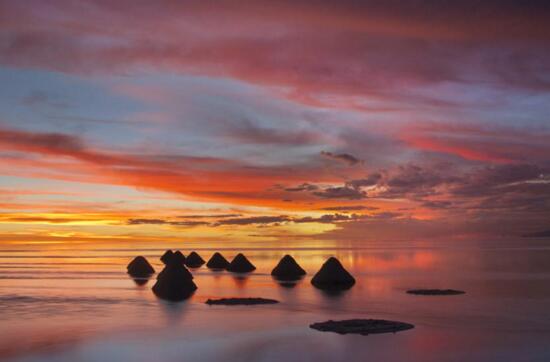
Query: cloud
(341, 157)
(371, 180)
(538, 234)
(350, 208)
(265, 220)
(210, 216)
(348, 47)
(39, 154)
(254, 220)
(303, 187)
(341, 193)
(495, 144)
(166, 222)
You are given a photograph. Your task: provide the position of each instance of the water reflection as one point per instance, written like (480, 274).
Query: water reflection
(173, 311)
(140, 281)
(289, 284)
(240, 280)
(506, 293)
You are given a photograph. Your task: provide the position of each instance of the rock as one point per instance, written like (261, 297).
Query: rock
(174, 283)
(178, 257)
(435, 292)
(140, 267)
(333, 276)
(240, 264)
(194, 260)
(217, 261)
(288, 269)
(361, 326)
(167, 256)
(241, 301)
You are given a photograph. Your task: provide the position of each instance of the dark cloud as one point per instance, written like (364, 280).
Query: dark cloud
(250, 133)
(211, 216)
(254, 220)
(341, 193)
(303, 187)
(437, 204)
(165, 222)
(371, 180)
(349, 208)
(264, 220)
(341, 157)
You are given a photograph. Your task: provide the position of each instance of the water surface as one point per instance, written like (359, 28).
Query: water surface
(76, 303)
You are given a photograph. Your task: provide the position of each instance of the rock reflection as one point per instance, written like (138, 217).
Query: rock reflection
(141, 281)
(240, 280)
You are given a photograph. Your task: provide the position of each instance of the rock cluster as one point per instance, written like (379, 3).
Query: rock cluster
(174, 282)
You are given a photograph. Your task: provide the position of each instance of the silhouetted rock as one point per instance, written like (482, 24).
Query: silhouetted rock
(167, 256)
(217, 261)
(140, 267)
(194, 260)
(174, 283)
(186, 273)
(435, 292)
(361, 326)
(333, 276)
(241, 301)
(240, 264)
(288, 269)
(178, 257)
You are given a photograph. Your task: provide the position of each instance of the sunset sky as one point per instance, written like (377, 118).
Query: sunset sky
(135, 120)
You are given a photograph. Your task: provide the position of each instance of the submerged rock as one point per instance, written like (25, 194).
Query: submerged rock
(217, 261)
(140, 267)
(288, 269)
(333, 276)
(167, 256)
(435, 292)
(240, 264)
(178, 257)
(194, 260)
(241, 301)
(361, 326)
(174, 283)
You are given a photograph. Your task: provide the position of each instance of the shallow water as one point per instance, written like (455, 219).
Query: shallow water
(76, 303)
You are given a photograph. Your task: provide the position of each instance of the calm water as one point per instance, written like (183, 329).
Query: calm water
(60, 303)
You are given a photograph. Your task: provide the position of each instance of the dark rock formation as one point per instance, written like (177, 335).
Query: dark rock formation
(288, 269)
(174, 283)
(178, 257)
(167, 256)
(361, 326)
(241, 301)
(240, 264)
(217, 261)
(194, 260)
(333, 276)
(435, 292)
(140, 267)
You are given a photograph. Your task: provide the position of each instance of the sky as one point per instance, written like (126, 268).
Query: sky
(138, 120)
